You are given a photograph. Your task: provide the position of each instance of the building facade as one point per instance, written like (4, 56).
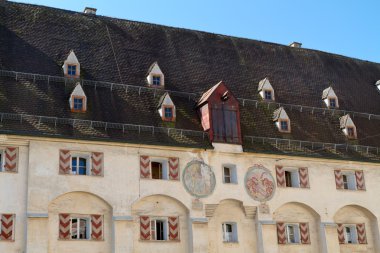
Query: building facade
(119, 136)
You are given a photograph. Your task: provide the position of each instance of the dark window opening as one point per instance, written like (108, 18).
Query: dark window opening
(284, 125)
(168, 112)
(332, 102)
(350, 131)
(225, 124)
(79, 228)
(156, 170)
(227, 175)
(78, 104)
(72, 70)
(156, 80)
(268, 95)
(288, 179)
(78, 165)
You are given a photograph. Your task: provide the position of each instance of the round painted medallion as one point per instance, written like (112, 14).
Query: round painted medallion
(198, 179)
(259, 183)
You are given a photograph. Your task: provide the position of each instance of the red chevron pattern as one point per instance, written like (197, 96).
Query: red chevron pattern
(362, 238)
(64, 162)
(305, 236)
(64, 226)
(173, 228)
(304, 177)
(97, 164)
(340, 231)
(10, 163)
(338, 179)
(360, 185)
(281, 236)
(144, 228)
(144, 167)
(96, 227)
(173, 168)
(280, 176)
(7, 221)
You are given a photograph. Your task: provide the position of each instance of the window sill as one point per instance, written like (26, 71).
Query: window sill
(166, 180)
(232, 183)
(351, 190)
(232, 242)
(160, 241)
(80, 240)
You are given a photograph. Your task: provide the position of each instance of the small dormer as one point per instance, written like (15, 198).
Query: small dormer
(166, 108)
(348, 127)
(378, 85)
(220, 116)
(330, 98)
(282, 121)
(155, 76)
(71, 66)
(78, 99)
(266, 90)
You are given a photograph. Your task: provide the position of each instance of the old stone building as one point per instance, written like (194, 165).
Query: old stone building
(119, 136)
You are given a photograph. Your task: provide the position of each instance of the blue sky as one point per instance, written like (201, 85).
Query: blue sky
(346, 27)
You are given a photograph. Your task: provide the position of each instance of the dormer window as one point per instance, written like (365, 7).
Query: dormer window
(220, 115)
(155, 76)
(329, 98)
(166, 108)
(281, 119)
(348, 127)
(266, 90)
(78, 99)
(71, 66)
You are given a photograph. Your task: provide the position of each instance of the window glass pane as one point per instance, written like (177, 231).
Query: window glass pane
(268, 94)
(156, 170)
(74, 164)
(74, 228)
(83, 229)
(156, 80)
(82, 166)
(168, 112)
(78, 103)
(160, 230)
(284, 125)
(288, 179)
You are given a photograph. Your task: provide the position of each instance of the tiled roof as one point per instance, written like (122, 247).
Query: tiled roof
(37, 39)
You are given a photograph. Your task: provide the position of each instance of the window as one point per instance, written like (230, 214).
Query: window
(71, 70)
(229, 174)
(79, 165)
(80, 228)
(284, 125)
(349, 180)
(268, 95)
(156, 170)
(332, 102)
(168, 113)
(350, 234)
(78, 104)
(351, 132)
(159, 229)
(229, 232)
(156, 80)
(292, 233)
(292, 178)
(159, 169)
(225, 124)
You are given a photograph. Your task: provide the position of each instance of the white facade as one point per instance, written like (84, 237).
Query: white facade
(38, 193)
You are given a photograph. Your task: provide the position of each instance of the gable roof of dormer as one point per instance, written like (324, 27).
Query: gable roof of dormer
(165, 99)
(78, 91)
(220, 87)
(328, 92)
(280, 113)
(264, 84)
(346, 121)
(71, 58)
(154, 68)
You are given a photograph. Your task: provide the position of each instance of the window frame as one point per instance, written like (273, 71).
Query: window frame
(165, 232)
(233, 173)
(294, 178)
(351, 180)
(280, 125)
(351, 129)
(69, 72)
(153, 80)
(2, 168)
(265, 94)
(88, 227)
(84, 107)
(296, 233)
(353, 232)
(164, 107)
(165, 167)
(335, 102)
(78, 156)
(233, 237)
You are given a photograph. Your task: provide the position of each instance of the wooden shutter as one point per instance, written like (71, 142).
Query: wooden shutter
(362, 238)
(280, 176)
(144, 228)
(340, 230)
(338, 179)
(360, 184)
(64, 226)
(281, 236)
(144, 167)
(173, 168)
(7, 226)
(96, 227)
(11, 157)
(64, 162)
(97, 164)
(305, 235)
(304, 177)
(173, 228)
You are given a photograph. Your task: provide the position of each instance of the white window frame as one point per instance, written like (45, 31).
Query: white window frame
(353, 234)
(351, 180)
(78, 155)
(165, 167)
(296, 233)
(88, 227)
(2, 164)
(153, 231)
(295, 178)
(233, 173)
(230, 237)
